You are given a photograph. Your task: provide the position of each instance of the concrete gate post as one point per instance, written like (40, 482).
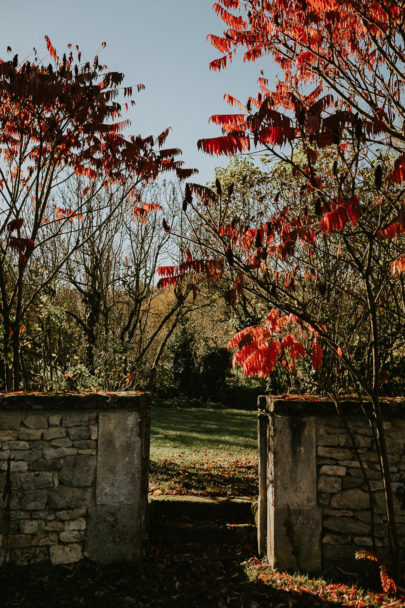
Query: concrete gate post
(294, 520)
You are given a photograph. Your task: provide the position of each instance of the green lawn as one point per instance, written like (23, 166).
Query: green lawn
(208, 452)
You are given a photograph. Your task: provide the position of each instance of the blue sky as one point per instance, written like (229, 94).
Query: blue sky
(159, 43)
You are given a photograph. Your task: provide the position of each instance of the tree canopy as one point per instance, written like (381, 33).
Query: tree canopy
(60, 120)
(334, 234)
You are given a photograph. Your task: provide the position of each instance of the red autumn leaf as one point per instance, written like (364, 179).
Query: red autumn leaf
(15, 224)
(316, 355)
(170, 281)
(226, 144)
(336, 220)
(398, 266)
(397, 175)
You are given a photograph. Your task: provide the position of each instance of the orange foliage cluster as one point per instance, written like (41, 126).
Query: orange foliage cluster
(311, 41)
(321, 31)
(141, 213)
(173, 275)
(65, 115)
(68, 214)
(335, 220)
(395, 228)
(259, 348)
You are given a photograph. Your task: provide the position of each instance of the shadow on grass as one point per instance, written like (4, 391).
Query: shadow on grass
(215, 479)
(190, 428)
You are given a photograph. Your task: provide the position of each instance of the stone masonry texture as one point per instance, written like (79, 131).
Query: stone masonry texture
(346, 511)
(54, 451)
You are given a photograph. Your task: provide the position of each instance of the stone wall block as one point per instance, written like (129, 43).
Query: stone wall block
(28, 455)
(48, 515)
(346, 525)
(35, 421)
(20, 454)
(15, 466)
(335, 453)
(64, 497)
(18, 445)
(71, 536)
(85, 444)
(46, 464)
(76, 524)
(55, 419)
(327, 437)
(363, 541)
(54, 526)
(329, 461)
(31, 500)
(14, 514)
(64, 442)
(56, 432)
(327, 483)
(28, 434)
(52, 453)
(46, 540)
(71, 514)
(19, 540)
(10, 420)
(79, 432)
(30, 526)
(351, 482)
(78, 471)
(7, 435)
(37, 479)
(351, 499)
(357, 472)
(65, 554)
(81, 418)
(336, 539)
(332, 470)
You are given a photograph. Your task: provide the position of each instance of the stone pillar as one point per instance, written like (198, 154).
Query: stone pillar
(262, 432)
(73, 476)
(117, 521)
(294, 519)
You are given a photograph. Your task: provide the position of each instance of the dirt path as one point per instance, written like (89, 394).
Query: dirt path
(179, 575)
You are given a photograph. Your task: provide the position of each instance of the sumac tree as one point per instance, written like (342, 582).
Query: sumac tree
(340, 98)
(57, 120)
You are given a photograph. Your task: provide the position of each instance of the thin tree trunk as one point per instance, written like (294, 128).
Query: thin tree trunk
(380, 436)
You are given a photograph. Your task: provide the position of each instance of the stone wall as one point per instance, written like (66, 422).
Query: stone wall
(73, 477)
(321, 497)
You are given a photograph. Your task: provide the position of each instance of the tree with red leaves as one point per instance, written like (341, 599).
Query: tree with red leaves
(57, 121)
(348, 212)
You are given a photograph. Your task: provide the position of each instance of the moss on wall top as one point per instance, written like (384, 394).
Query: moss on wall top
(311, 405)
(72, 400)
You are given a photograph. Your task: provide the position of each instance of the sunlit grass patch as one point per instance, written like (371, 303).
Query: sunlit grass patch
(204, 452)
(336, 593)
